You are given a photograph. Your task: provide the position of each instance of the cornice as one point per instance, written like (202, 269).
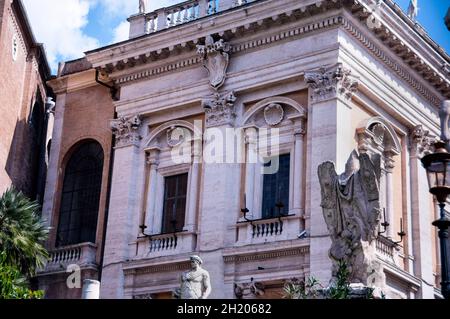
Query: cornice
(156, 268)
(267, 255)
(73, 82)
(235, 48)
(258, 16)
(394, 66)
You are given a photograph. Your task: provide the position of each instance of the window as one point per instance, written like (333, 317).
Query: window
(15, 47)
(276, 189)
(175, 189)
(81, 196)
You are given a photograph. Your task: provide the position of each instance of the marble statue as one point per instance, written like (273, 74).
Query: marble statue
(142, 6)
(195, 283)
(351, 209)
(413, 10)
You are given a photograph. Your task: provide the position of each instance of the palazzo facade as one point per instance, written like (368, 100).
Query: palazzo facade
(325, 77)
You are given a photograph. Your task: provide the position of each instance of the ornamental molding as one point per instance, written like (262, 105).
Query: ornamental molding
(177, 65)
(273, 114)
(239, 47)
(220, 109)
(266, 255)
(176, 136)
(399, 70)
(126, 130)
(331, 82)
(398, 47)
(216, 58)
(177, 266)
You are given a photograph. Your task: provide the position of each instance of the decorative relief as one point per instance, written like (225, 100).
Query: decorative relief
(175, 136)
(328, 82)
(421, 141)
(273, 114)
(126, 130)
(215, 58)
(219, 109)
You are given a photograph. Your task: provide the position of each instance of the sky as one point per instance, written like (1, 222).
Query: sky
(68, 28)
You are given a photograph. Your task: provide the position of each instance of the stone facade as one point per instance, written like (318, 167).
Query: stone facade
(321, 73)
(26, 120)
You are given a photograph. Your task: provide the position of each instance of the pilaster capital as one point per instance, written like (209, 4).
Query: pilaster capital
(126, 130)
(329, 82)
(220, 109)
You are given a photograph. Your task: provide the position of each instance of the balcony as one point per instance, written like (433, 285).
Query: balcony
(268, 230)
(166, 244)
(82, 255)
(181, 13)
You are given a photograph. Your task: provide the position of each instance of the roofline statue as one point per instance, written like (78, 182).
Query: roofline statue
(142, 6)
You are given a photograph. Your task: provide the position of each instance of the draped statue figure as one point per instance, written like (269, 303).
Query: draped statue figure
(142, 6)
(351, 209)
(413, 10)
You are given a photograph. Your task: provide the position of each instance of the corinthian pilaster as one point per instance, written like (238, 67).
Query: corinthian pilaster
(126, 130)
(331, 82)
(219, 109)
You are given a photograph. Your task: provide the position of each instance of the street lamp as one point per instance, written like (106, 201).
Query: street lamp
(437, 165)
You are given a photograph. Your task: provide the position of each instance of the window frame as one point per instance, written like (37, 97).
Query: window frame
(72, 156)
(164, 213)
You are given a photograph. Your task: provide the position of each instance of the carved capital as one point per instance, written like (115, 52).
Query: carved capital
(421, 141)
(126, 130)
(216, 59)
(331, 82)
(219, 109)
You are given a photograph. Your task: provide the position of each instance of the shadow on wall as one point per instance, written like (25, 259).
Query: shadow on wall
(26, 164)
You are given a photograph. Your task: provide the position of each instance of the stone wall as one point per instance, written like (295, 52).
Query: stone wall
(22, 104)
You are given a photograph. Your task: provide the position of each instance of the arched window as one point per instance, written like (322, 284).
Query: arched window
(81, 195)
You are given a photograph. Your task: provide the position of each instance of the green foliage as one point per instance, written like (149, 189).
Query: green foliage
(13, 285)
(341, 288)
(299, 289)
(312, 289)
(22, 233)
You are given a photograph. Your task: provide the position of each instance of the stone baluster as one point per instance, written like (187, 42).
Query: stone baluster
(162, 19)
(203, 8)
(213, 6)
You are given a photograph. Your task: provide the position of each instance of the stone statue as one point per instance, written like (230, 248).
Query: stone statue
(351, 209)
(195, 283)
(444, 114)
(142, 6)
(413, 10)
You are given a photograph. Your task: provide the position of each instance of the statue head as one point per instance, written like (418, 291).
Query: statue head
(196, 261)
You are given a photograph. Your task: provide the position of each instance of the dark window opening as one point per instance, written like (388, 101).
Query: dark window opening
(175, 190)
(81, 196)
(276, 189)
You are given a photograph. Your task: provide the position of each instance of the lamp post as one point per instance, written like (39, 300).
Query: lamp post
(437, 165)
